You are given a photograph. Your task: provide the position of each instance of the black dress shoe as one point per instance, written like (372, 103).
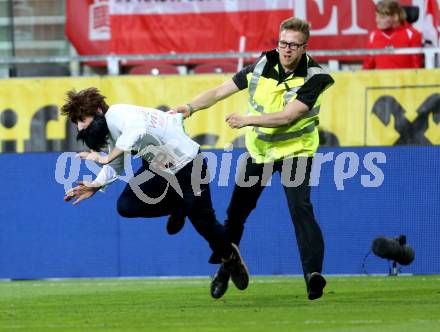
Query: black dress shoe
(175, 224)
(219, 283)
(237, 269)
(315, 285)
(233, 268)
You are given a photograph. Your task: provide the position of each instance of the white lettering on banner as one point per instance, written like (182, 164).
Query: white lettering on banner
(299, 8)
(126, 7)
(331, 29)
(354, 29)
(99, 21)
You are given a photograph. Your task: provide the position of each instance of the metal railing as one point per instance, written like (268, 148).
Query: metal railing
(114, 62)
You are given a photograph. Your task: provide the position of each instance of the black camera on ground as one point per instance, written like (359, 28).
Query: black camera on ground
(395, 250)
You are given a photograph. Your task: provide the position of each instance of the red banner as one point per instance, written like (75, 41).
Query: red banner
(88, 26)
(431, 22)
(194, 33)
(188, 26)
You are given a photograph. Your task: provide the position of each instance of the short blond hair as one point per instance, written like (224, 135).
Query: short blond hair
(390, 8)
(296, 24)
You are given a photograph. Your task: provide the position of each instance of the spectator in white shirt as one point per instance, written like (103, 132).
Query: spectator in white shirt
(165, 184)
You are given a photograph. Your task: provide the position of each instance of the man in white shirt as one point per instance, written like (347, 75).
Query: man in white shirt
(166, 183)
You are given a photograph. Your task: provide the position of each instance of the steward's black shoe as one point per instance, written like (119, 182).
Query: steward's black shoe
(175, 224)
(315, 285)
(237, 269)
(219, 283)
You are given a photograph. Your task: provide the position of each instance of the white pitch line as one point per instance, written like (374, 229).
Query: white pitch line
(353, 322)
(179, 281)
(131, 282)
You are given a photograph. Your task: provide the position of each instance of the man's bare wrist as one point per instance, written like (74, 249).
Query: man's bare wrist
(103, 160)
(190, 109)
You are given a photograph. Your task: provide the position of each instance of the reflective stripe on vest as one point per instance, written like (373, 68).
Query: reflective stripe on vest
(256, 74)
(311, 71)
(289, 94)
(285, 136)
(314, 111)
(253, 84)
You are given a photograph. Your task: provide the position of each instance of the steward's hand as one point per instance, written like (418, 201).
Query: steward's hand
(236, 121)
(184, 109)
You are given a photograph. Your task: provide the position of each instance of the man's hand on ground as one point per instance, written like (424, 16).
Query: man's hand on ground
(81, 192)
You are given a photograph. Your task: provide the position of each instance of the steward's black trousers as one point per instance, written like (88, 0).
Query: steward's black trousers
(295, 175)
(195, 203)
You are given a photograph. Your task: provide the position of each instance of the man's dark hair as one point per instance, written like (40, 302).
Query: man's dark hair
(88, 102)
(96, 134)
(83, 103)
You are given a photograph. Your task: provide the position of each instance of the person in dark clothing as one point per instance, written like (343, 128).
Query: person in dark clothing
(285, 88)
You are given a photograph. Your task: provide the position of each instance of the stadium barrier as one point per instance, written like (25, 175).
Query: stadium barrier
(114, 62)
(361, 193)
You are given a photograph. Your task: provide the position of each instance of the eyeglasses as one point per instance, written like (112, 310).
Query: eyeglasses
(292, 46)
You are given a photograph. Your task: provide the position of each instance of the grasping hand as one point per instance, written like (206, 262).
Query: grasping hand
(83, 191)
(184, 109)
(236, 121)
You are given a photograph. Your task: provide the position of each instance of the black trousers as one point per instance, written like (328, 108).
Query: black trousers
(198, 208)
(244, 200)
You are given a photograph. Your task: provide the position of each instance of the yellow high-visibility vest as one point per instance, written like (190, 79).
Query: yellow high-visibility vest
(267, 96)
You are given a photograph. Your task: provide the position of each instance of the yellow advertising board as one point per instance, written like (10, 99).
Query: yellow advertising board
(389, 107)
(29, 108)
(363, 108)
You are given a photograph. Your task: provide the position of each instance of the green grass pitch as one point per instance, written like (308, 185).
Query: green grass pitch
(403, 303)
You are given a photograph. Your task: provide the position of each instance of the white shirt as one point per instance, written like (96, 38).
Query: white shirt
(158, 138)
